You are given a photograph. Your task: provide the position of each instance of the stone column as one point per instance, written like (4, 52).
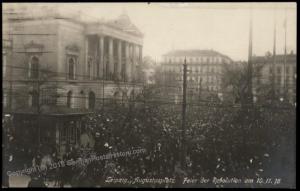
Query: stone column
(94, 64)
(140, 54)
(101, 57)
(127, 65)
(134, 56)
(131, 61)
(119, 60)
(111, 59)
(139, 58)
(86, 46)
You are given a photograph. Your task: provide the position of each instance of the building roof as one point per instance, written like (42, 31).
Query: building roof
(194, 53)
(24, 12)
(123, 22)
(279, 58)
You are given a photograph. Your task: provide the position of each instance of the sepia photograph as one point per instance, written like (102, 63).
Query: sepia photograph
(149, 95)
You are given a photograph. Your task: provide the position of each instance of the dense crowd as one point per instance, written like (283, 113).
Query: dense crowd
(220, 142)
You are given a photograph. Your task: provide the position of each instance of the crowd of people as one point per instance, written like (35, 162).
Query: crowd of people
(219, 142)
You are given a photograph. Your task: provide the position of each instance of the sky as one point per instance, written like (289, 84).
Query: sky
(223, 27)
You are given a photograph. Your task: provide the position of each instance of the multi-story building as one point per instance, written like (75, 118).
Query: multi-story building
(204, 67)
(63, 67)
(280, 74)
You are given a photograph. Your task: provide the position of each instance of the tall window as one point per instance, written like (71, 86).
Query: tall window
(258, 81)
(278, 70)
(4, 100)
(4, 64)
(34, 99)
(71, 69)
(278, 80)
(48, 97)
(70, 132)
(82, 99)
(92, 99)
(270, 70)
(287, 70)
(69, 99)
(34, 68)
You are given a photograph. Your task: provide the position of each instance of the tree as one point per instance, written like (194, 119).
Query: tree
(234, 80)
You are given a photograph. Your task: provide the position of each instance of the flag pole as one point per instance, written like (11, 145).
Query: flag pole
(250, 96)
(284, 74)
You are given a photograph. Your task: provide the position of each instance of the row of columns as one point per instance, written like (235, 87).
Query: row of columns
(110, 63)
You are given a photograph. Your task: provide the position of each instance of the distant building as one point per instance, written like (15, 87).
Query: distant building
(285, 75)
(205, 69)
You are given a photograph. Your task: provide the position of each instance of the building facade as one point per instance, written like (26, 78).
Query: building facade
(63, 67)
(204, 67)
(280, 74)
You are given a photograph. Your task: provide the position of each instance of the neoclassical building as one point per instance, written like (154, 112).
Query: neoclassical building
(64, 67)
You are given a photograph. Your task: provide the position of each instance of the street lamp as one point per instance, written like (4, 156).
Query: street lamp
(281, 99)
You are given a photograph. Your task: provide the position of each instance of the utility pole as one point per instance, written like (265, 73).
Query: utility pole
(274, 60)
(183, 152)
(103, 79)
(200, 89)
(8, 58)
(249, 93)
(38, 105)
(284, 67)
(10, 80)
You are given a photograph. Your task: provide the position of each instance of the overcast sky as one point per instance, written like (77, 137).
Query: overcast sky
(223, 27)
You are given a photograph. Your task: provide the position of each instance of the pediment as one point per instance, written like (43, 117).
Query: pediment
(33, 47)
(73, 48)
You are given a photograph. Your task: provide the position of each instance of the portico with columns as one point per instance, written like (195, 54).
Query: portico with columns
(115, 50)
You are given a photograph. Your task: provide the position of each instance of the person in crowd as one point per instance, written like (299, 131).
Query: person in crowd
(36, 181)
(215, 138)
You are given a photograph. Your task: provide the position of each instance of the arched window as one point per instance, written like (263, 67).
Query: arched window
(71, 69)
(132, 94)
(89, 68)
(117, 95)
(92, 99)
(34, 99)
(82, 99)
(69, 99)
(34, 68)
